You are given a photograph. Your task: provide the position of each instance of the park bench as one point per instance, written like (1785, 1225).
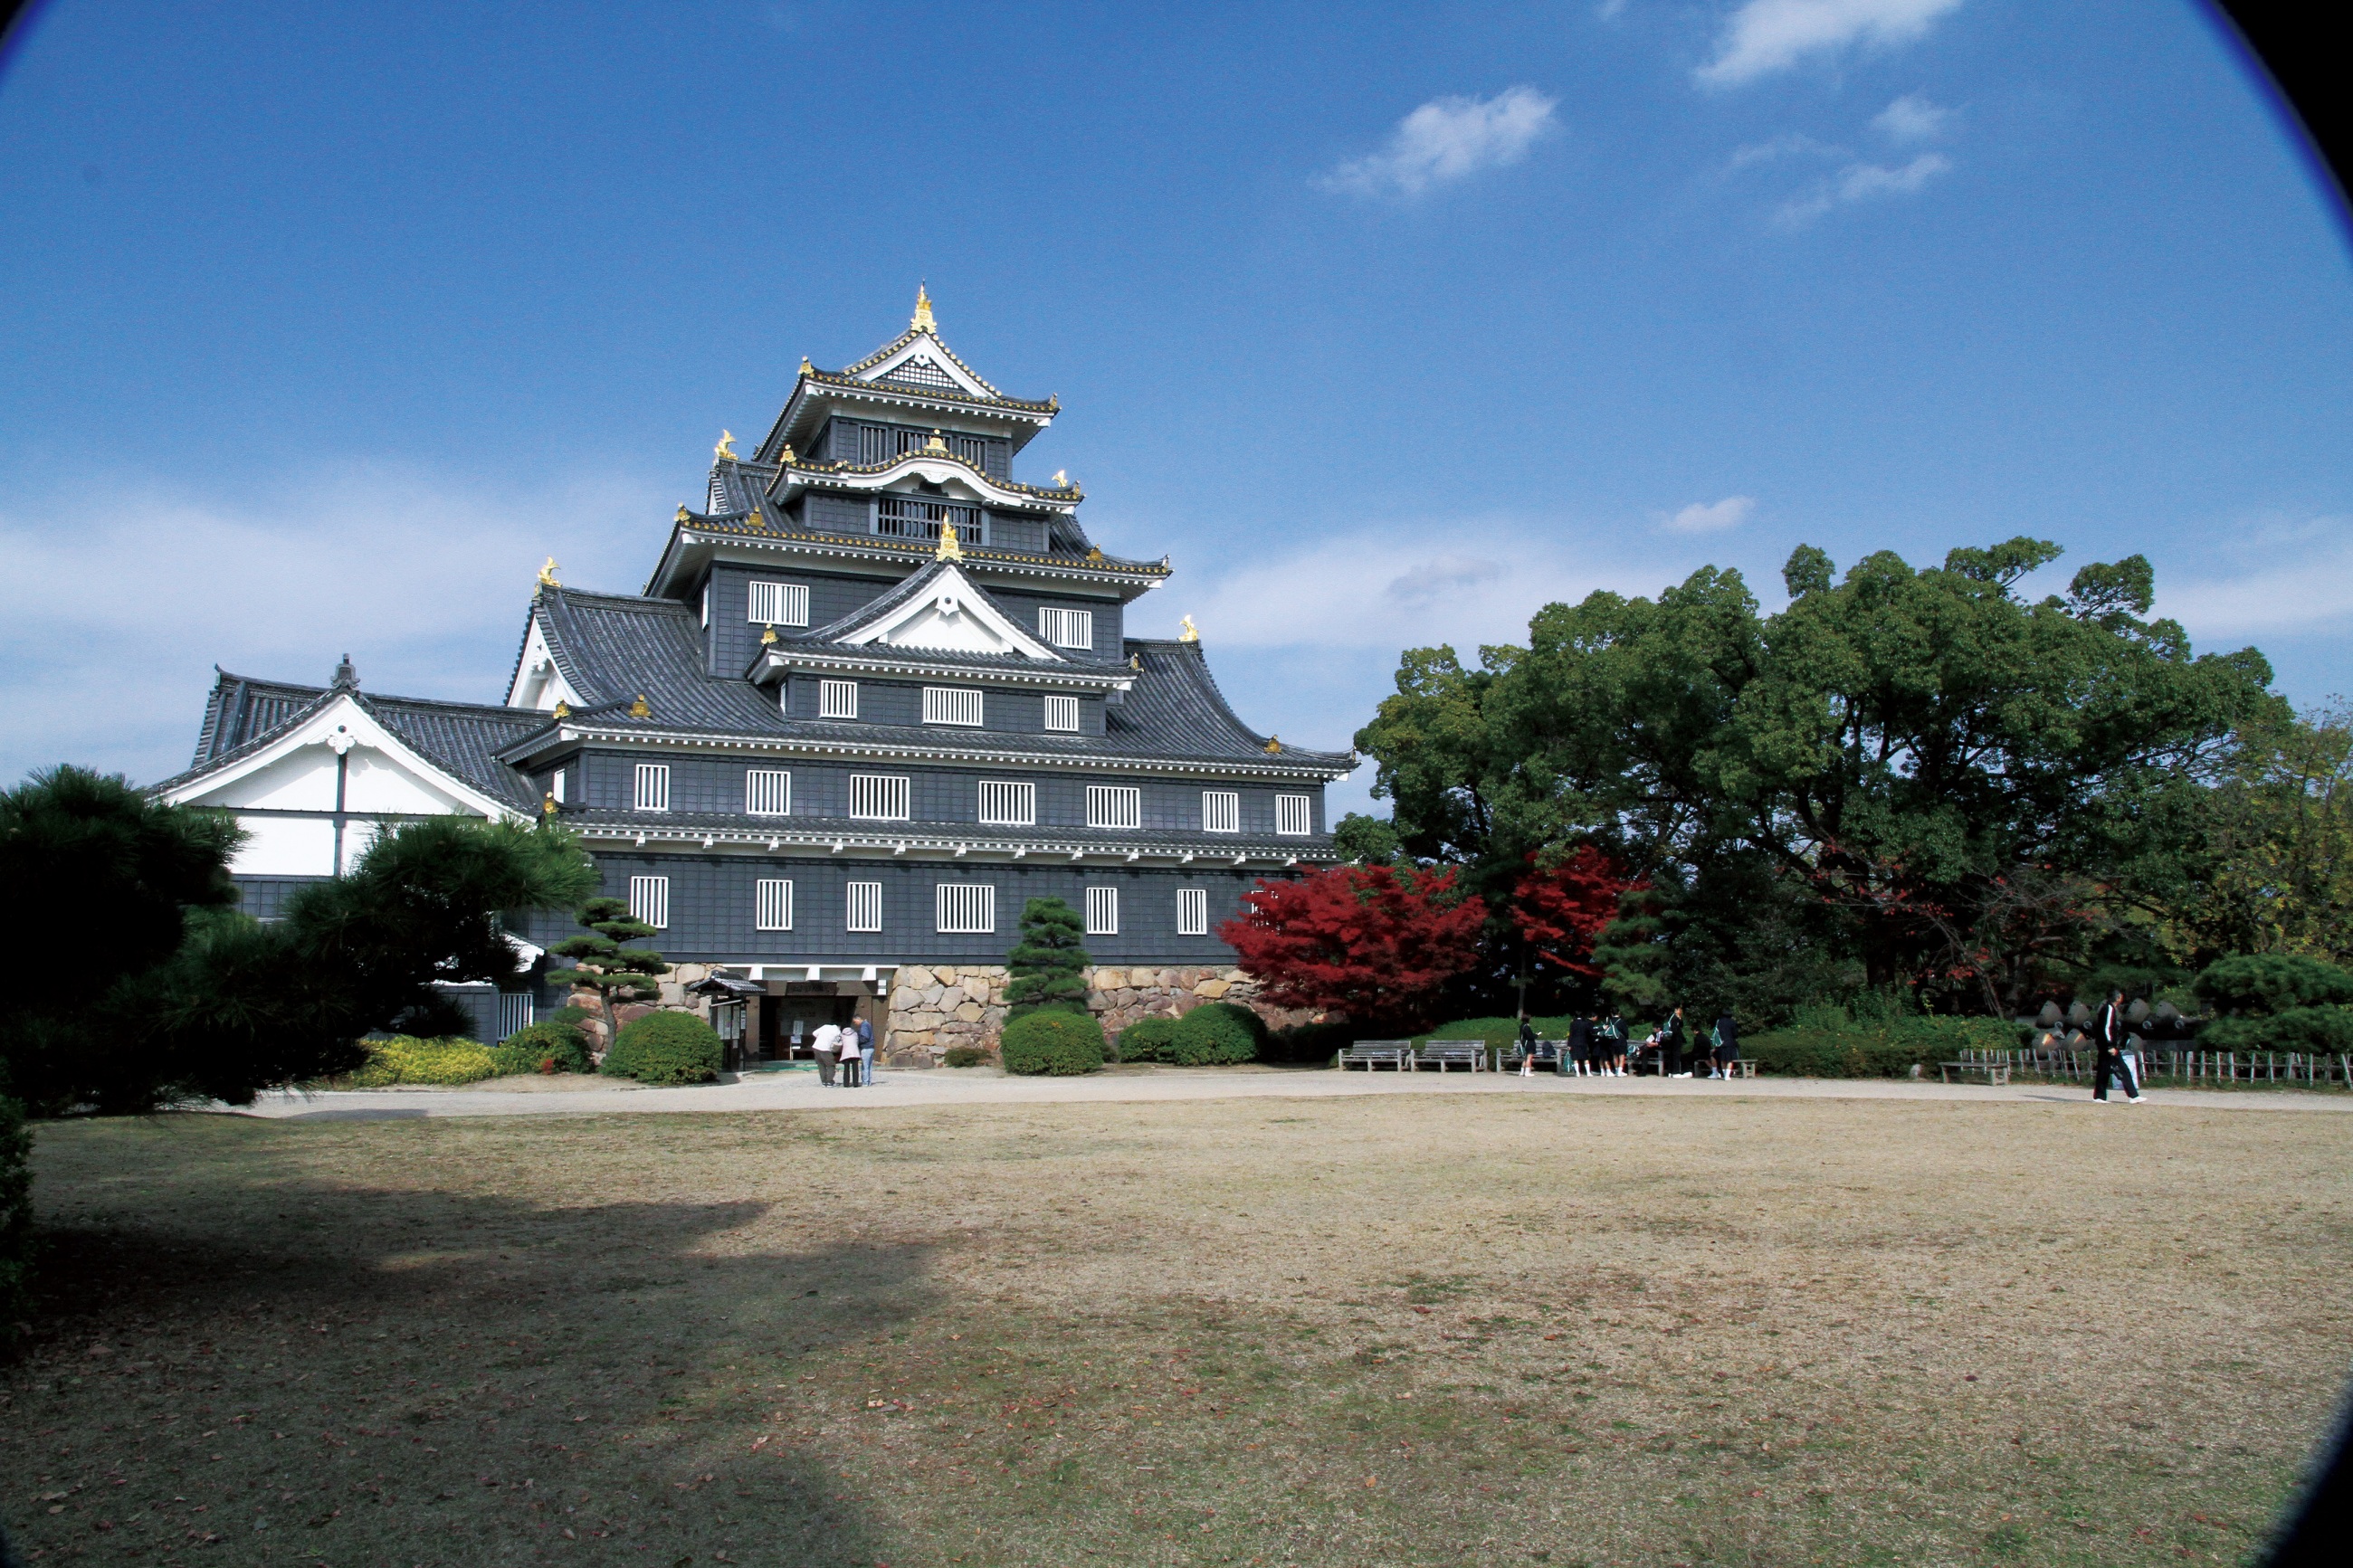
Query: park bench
(1741, 1066)
(1370, 1054)
(1543, 1052)
(1995, 1073)
(1445, 1054)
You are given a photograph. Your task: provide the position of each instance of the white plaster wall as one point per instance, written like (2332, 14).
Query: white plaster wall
(377, 782)
(286, 847)
(302, 780)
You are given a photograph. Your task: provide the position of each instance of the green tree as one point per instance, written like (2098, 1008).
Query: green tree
(1048, 964)
(604, 965)
(2276, 870)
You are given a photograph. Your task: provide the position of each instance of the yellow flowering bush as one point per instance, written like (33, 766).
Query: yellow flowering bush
(403, 1058)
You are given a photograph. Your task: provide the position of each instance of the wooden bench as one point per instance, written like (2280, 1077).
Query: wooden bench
(1543, 1053)
(1741, 1066)
(1446, 1053)
(1370, 1054)
(1996, 1073)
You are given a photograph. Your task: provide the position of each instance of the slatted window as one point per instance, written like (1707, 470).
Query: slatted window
(1004, 804)
(1103, 912)
(1221, 811)
(780, 604)
(767, 792)
(1294, 814)
(1062, 715)
(653, 786)
(836, 700)
(1067, 628)
(879, 797)
(967, 909)
(772, 904)
(865, 910)
(1192, 911)
(951, 705)
(649, 901)
(1114, 806)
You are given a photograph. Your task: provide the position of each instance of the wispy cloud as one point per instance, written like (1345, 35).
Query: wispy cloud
(1863, 183)
(1768, 36)
(1449, 139)
(1796, 144)
(1709, 517)
(1912, 118)
(2305, 584)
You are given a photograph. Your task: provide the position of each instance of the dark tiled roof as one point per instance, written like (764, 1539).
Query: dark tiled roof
(1068, 545)
(1175, 706)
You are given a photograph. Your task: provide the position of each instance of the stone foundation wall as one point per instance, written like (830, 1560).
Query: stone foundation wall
(934, 1007)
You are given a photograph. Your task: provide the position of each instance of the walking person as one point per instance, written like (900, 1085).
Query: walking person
(1672, 1035)
(1728, 1044)
(2109, 1033)
(1613, 1044)
(1581, 1044)
(1528, 1047)
(826, 1045)
(866, 1050)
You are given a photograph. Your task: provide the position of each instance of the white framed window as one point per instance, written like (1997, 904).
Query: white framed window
(706, 602)
(1067, 628)
(653, 786)
(555, 785)
(1114, 806)
(649, 901)
(1103, 912)
(836, 700)
(1192, 911)
(779, 604)
(967, 909)
(1221, 811)
(951, 705)
(767, 792)
(1062, 715)
(880, 798)
(772, 904)
(1004, 804)
(1294, 814)
(865, 910)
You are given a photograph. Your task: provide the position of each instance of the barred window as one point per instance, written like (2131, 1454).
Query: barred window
(879, 797)
(1192, 911)
(1294, 814)
(1221, 811)
(1062, 715)
(649, 901)
(1004, 804)
(865, 912)
(653, 786)
(1114, 806)
(967, 908)
(1103, 912)
(951, 705)
(767, 792)
(1067, 628)
(772, 904)
(780, 604)
(836, 700)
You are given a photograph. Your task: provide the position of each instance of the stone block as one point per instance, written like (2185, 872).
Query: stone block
(970, 1012)
(915, 977)
(1211, 990)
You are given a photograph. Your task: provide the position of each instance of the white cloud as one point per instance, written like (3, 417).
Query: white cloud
(1766, 35)
(1864, 181)
(109, 626)
(1449, 139)
(2312, 588)
(1794, 145)
(1912, 118)
(1709, 517)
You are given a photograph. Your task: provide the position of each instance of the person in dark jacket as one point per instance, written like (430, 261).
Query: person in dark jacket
(2108, 1036)
(1580, 1045)
(1728, 1044)
(1673, 1036)
(1613, 1044)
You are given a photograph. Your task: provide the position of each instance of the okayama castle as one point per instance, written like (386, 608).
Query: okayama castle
(873, 697)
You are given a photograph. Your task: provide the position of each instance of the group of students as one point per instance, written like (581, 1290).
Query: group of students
(1597, 1048)
(847, 1049)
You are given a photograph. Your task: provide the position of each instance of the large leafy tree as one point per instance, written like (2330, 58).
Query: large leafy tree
(1375, 943)
(2275, 873)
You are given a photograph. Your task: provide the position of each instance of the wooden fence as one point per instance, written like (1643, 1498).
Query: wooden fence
(2183, 1064)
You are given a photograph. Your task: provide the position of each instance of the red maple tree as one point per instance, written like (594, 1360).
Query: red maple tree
(1563, 911)
(1371, 941)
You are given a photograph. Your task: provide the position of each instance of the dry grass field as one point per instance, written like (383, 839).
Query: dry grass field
(1468, 1329)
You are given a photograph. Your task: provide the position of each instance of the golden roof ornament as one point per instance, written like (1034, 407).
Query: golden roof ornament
(726, 447)
(547, 574)
(1061, 479)
(639, 710)
(923, 322)
(936, 444)
(547, 807)
(1273, 744)
(1192, 633)
(1095, 554)
(768, 635)
(563, 708)
(682, 514)
(807, 368)
(949, 549)
(785, 457)
(1135, 662)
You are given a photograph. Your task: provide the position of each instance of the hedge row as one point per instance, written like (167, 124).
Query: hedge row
(1056, 1042)
(1887, 1050)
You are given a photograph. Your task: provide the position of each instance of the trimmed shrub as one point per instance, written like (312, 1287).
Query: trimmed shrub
(1822, 1048)
(1217, 1034)
(1147, 1040)
(405, 1058)
(544, 1046)
(665, 1049)
(2323, 1030)
(2258, 982)
(965, 1055)
(1052, 1042)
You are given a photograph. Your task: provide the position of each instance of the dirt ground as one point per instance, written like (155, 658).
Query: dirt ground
(1444, 1329)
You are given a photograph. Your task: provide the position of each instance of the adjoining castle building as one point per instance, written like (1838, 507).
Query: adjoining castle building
(874, 697)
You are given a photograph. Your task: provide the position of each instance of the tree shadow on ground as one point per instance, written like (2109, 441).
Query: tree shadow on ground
(274, 1368)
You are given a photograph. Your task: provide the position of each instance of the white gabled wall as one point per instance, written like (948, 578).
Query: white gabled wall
(537, 681)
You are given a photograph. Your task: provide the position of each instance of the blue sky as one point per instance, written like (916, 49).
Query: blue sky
(1389, 322)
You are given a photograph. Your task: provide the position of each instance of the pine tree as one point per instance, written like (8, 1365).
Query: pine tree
(1048, 964)
(612, 970)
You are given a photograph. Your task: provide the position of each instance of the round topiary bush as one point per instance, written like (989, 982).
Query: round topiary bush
(965, 1055)
(1147, 1040)
(1217, 1034)
(548, 1045)
(1062, 1044)
(665, 1048)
